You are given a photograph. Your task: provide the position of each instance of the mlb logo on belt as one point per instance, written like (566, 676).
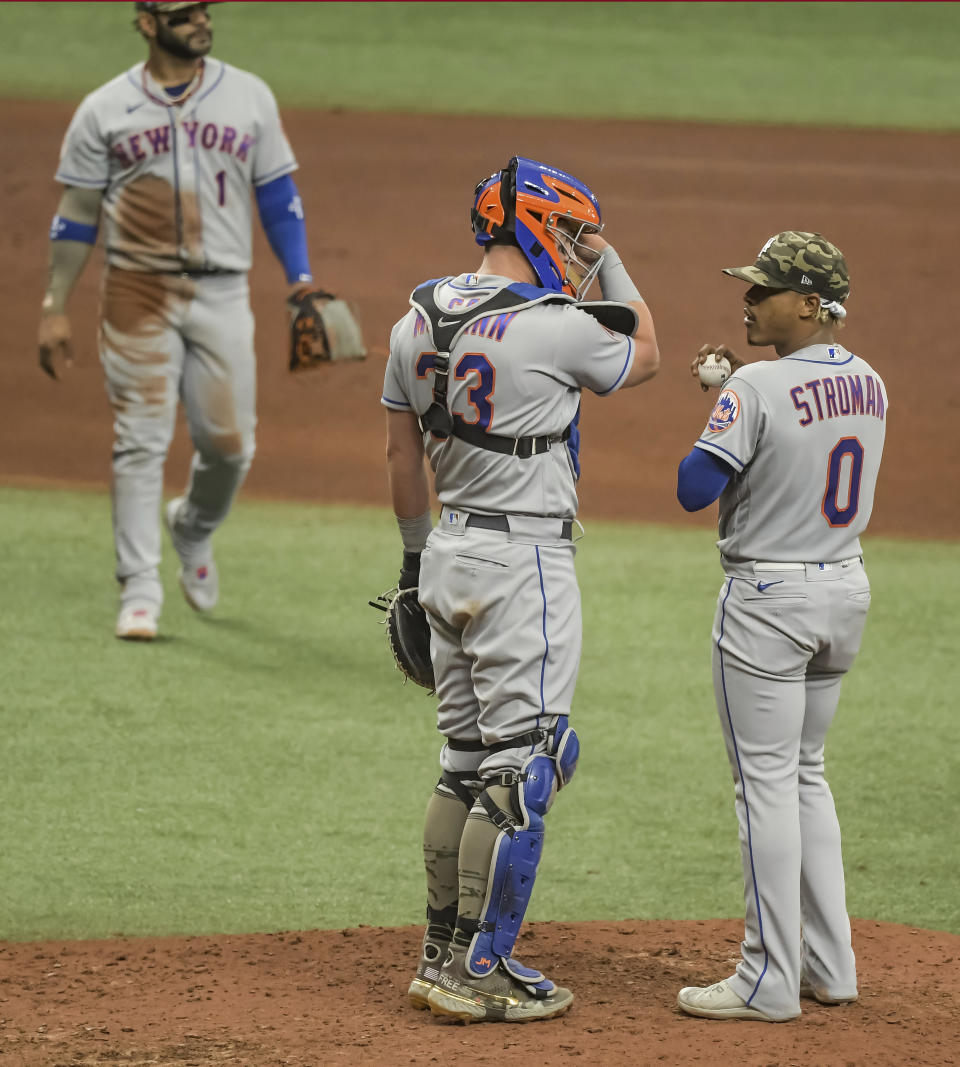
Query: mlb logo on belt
(726, 411)
(453, 517)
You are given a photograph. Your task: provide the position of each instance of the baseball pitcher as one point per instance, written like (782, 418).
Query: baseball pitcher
(485, 375)
(792, 449)
(163, 159)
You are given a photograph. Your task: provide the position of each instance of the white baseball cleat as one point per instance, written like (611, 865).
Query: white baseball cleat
(718, 1001)
(808, 989)
(137, 622)
(198, 576)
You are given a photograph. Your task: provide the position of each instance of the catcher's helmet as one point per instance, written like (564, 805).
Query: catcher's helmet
(546, 211)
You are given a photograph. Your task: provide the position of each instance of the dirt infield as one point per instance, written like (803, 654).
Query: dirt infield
(387, 206)
(337, 997)
(387, 199)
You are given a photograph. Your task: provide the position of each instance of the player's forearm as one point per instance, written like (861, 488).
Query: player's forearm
(646, 356)
(67, 260)
(73, 234)
(281, 215)
(616, 284)
(409, 490)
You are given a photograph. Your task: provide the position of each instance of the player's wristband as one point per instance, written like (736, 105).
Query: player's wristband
(415, 531)
(62, 229)
(615, 283)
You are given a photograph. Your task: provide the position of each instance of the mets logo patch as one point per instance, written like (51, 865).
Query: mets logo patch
(724, 415)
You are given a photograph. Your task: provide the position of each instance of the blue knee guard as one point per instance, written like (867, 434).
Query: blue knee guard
(564, 746)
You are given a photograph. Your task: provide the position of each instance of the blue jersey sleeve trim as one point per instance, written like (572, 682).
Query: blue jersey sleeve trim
(709, 446)
(394, 403)
(623, 371)
(62, 229)
(281, 214)
(278, 172)
(90, 183)
(701, 478)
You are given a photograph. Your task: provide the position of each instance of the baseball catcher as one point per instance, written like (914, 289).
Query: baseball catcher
(323, 329)
(484, 377)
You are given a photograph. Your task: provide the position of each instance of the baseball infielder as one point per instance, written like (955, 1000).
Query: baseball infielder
(792, 449)
(167, 153)
(485, 374)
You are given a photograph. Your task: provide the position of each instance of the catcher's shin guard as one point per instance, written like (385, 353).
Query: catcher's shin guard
(513, 865)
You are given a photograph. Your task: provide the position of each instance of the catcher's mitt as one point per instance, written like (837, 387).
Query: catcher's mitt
(323, 329)
(408, 632)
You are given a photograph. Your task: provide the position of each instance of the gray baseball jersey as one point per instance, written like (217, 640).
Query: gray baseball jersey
(177, 172)
(517, 374)
(805, 435)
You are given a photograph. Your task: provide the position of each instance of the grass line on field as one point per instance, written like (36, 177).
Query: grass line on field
(840, 64)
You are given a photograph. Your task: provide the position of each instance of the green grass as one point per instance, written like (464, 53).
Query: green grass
(264, 768)
(869, 64)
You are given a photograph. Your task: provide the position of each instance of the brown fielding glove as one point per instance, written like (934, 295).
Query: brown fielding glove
(323, 329)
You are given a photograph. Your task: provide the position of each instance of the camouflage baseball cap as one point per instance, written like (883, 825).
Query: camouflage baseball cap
(803, 262)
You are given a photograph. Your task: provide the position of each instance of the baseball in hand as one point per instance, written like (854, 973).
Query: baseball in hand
(714, 372)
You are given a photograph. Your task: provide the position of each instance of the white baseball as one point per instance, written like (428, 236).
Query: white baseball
(714, 372)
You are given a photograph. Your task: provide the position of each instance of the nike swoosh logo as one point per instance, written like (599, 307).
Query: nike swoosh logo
(133, 107)
(762, 587)
(447, 322)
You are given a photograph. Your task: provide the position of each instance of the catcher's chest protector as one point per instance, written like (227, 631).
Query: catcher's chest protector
(445, 327)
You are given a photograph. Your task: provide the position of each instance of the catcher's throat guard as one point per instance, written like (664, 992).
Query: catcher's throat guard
(517, 851)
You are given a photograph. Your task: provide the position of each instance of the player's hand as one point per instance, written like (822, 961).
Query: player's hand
(721, 351)
(595, 241)
(55, 343)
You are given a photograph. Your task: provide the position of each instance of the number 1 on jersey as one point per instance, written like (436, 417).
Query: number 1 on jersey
(221, 179)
